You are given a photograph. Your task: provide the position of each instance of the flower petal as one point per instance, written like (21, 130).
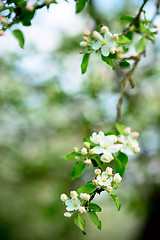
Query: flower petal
(96, 45)
(98, 150)
(105, 50)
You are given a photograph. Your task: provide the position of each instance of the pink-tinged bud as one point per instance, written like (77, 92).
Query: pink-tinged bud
(1, 33)
(137, 150)
(119, 140)
(97, 36)
(82, 209)
(127, 130)
(67, 214)
(155, 25)
(91, 151)
(83, 44)
(85, 38)
(85, 196)
(97, 171)
(87, 32)
(112, 50)
(117, 178)
(135, 134)
(156, 32)
(3, 20)
(63, 197)
(104, 29)
(87, 161)
(76, 158)
(73, 194)
(109, 170)
(75, 149)
(29, 7)
(109, 188)
(84, 151)
(95, 182)
(87, 144)
(115, 37)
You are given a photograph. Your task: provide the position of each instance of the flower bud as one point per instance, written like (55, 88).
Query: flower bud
(91, 151)
(75, 149)
(97, 171)
(95, 181)
(115, 37)
(73, 194)
(85, 38)
(117, 178)
(67, 214)
(82, 209)
(3, 20)
(87, 144)
(63, 197)
(85, 196)
(84, 151)
(87, 32)
(1, 33)
(120, 50)
(83, 44)
(76, 158)
(29, 7)
(127, 130)
(104, 29)
(87, 161)
(109, 188)
(119, 140)
(109, 170)
(135, 134)
(137, 150)
(112, 50)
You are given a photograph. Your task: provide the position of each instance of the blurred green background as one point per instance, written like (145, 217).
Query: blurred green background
(47, 107)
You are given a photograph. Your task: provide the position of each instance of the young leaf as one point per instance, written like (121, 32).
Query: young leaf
(124, 64)
(80, 4)
(115, 199)
(88, 188)
(122, 40)
(94, 218)
(19, 36)
(94, 207)
(126, 18)
(140, 45)
(120, 128)
(120, 163)
(71, 155)
(84, 63)
(107, 60)
(79, 220)
(78, 169)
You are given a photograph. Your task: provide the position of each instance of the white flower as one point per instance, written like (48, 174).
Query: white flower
(117, 178)
(63, 197)
(105, 43)
(129, 144)
(107, 157)
(82, 209)
(109, 170)
(84, 151)
(83, 44)
(73, 194)
(104, 179)
(67, 214)
(107, 146)
(72, 204)
(85, 196)
(95, 138)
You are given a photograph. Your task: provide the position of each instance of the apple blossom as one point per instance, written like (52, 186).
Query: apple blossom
(84, 151)
(72, 204)
(109, 170)
(87, 144)
(85, 196)
(95, 182)
(117, 178)
(83, 44)
(104, 179)
(73, 194)
(75, 149)
(82, 209)
(87, 32)
(104, 29)
(63, 197)
(67, 214)
(88, 161)
(127, 130)
(97, 171)
(109, 188)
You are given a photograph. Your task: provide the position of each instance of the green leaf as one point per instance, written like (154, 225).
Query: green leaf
(94, 207)
(71, 155)
(88, 188)
(120, 128)
(122, 40)
(107, 60)
(78, 169)
(111, 133)
(140, 45)
(80, 4)
(84, 63)
(120, 163)
(19, 36)
(94, 218)
(79, 220)
(126, 18)
(124, 64)
(115, 199)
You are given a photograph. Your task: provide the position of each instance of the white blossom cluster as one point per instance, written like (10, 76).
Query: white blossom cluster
(107, 146)
(104, 41)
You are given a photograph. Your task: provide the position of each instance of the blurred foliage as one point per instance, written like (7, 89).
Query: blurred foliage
(43, 115)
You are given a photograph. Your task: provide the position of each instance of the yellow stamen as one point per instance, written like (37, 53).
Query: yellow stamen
(74, 204)
(103, 179)
(129, 144)
(103, 42)
(106, 146)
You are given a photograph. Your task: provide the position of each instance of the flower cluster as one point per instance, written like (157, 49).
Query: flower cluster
(104, 41)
